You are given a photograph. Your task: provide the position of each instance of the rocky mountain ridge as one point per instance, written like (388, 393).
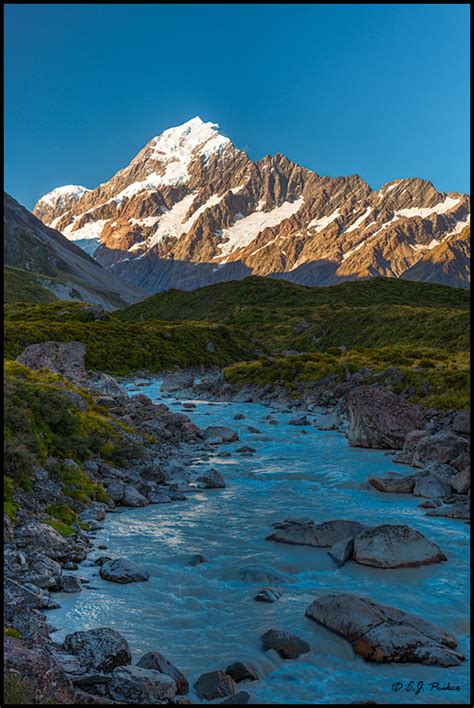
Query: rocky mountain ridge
(52, 262)
(192, 209)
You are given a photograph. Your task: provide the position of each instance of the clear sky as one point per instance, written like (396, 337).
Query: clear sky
(378, 90)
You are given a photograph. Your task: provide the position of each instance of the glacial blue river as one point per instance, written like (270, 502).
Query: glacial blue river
(202, 618)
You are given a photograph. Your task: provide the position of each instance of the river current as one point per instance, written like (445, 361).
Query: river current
(203, 617)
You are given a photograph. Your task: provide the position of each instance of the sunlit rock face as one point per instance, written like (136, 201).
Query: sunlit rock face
(192, 209)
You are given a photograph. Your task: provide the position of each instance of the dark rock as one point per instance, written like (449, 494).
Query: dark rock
(133, 684)
(102, 649)
(62, 358)
(241, 672)
(288, 646)
(121, 570)
(380, 418)
(214, 684)
(305, 532)
(212, 479)
(393, 483)
(395, 546)
(384, 634)
(69, 583)
(342, 551)
(156, 661)
(268, 595)
(218, 432)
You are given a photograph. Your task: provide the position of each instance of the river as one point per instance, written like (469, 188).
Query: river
(202, 618)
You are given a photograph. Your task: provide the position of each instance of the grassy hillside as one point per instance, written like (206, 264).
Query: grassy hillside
(121, 347)
(283, 315)
(20, 286)
(434, 378)
(41, 421)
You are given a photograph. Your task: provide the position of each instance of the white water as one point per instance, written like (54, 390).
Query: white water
(203, 618)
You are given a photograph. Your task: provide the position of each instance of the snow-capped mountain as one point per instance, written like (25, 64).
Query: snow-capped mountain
(192, 209)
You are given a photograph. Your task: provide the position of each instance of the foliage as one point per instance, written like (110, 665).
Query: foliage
(119, 347)
(17, 690)
(18, 285)
(433, 378)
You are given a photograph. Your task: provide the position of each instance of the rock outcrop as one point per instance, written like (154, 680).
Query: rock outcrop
(384, 634)
(380, 418)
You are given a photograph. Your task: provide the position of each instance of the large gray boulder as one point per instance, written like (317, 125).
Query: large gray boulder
(342, 551)
(212, 479)
(461, 482)
(379, 418)
(132, 497)
(133, 684)
(288, 646)
(391, 546)
(121, 570)
(101, 649)
(393, 483)
(241, 672)
(304, 532)
(384, 634)
(441, 448)
(221, 434)
(42, 538)
(214, 684)
(156, 661)
(65, 358)
(462, 423)
(430, 487)
(176, 381)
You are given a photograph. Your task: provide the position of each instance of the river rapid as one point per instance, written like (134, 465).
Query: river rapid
(204, 617)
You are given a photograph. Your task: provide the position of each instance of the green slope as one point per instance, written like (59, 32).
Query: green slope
(283, 315)
(20, 286)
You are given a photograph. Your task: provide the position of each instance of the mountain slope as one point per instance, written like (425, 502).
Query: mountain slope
(45, 258)
(191, 209)
(448, 262)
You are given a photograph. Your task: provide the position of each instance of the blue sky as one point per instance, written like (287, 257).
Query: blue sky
(378, 90)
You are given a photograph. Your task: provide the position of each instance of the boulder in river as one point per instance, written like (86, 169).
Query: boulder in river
(430, 487)
(288, 646)
(241, 672)
(380, 418)
(69, 583)
(395, 546)
(268, 594)
(132, 497)
(384, 634)
(220, 432)
(214, 684)
(393, 483)
(102, 649)
(121, 570)
(212, 479)
(133, 684)
(304, 532)
(342, 551)
(156, 661)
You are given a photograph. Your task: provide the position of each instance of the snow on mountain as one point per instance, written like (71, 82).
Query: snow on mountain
(192, 208)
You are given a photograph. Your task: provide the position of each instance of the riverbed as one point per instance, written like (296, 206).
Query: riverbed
(204, 617)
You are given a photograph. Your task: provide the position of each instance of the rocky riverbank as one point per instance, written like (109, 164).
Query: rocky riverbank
(95, 666)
